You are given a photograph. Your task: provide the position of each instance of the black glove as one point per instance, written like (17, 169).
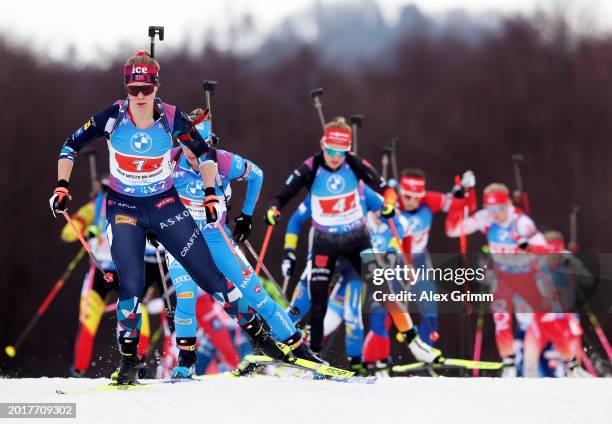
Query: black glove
(458, 192)
(388, 211)
(214, 139)
(288, 263)
(523, 243)
(59, 200)
(152, 239)
(242, 230)
(211, 201)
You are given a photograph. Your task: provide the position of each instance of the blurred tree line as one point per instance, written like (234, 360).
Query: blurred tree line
(531, 88)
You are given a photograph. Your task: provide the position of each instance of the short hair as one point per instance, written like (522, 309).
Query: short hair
(496, 187)
(338, 123)
(413, 172)
(142, 57)
(554, 235)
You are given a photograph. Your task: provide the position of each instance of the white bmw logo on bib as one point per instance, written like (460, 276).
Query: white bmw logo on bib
(141, 142)
(335, 183)
(195, 188)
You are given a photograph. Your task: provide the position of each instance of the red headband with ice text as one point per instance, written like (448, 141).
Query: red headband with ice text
(141, 72)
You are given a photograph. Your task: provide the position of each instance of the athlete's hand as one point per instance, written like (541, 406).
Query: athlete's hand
(388, 210)
(211, 202)
(273, 215)
(244, 225)
(59, 200)
(523, 243)
(463, 185)
(214, 139)
(152, 239)
(288, 263)
(468, 180)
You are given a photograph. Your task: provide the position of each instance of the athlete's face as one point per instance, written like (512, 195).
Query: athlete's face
(499, 213)
(409, 203)
(141, 95)
(333, 158)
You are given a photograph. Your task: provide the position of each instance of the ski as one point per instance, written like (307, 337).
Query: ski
(226, 375)
(411, 367)
(448, 363)
(470, 364)
(148, 384)
(154, 383)
(327, 371)
(108, 388)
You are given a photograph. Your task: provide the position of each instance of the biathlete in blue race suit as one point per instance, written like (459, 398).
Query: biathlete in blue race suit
(332, 177)
(139, 133)
(349, 289)
(187, 180)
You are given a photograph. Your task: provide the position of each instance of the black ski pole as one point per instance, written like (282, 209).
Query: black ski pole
(356, 123)
(209, 87)
(573, 243)
(153, 31)
(520, 195)
(316, 95)
(389, 149)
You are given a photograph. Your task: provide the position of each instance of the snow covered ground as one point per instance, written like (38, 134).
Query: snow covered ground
(292, 400)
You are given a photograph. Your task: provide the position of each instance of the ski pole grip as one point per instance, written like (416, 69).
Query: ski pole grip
(209, 85)
(157, 30)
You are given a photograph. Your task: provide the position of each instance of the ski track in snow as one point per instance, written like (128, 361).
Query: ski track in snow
(273, 400)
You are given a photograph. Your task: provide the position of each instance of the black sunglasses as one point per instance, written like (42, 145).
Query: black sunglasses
(133, 90)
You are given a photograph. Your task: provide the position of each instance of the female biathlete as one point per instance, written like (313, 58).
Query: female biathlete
(332, 177)
(231, 167)
(139, 132)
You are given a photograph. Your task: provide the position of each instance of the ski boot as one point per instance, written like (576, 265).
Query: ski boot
(76, 373)
(187, 358)
(127, 373)
(246, 368)
(262, 341)
(419, 349)
(379, 368)
(357, 366)
(509, 367)
(297, 347)
(575, 370)
(143, 371)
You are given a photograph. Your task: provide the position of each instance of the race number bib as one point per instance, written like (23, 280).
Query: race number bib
(336, 210)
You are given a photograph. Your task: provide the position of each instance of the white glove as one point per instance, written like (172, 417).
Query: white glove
(288, 264)
(468, 180)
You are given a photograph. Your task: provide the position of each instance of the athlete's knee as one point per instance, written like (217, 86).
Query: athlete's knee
(131, 286)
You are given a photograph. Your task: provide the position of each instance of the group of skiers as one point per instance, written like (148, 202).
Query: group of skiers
(162, 200)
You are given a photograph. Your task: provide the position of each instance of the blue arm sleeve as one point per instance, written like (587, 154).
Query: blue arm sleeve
(243, 169)
(374, 201)
(299, 217)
